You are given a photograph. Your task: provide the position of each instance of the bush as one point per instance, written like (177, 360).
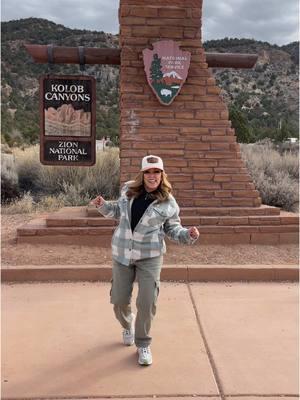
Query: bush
(74, 195)
(27, 204)
(76, 184)
(28, 168)
(9, 179)
(50, 203)
(275, 175)
(23, 205)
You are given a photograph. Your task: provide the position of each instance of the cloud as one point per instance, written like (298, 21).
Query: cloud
(274, 21)
(99, 15)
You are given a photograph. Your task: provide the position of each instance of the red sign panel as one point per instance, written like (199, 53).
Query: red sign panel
(166, 68)
(68, 120)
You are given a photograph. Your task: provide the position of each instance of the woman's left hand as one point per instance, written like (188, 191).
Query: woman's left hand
(193, 232)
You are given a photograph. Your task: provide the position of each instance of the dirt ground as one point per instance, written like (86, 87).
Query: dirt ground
(25, 254)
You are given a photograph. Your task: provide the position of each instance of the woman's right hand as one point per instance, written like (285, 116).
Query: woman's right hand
(97, 201)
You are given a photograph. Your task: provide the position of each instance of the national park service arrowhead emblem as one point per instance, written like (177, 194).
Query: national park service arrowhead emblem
(166, 67)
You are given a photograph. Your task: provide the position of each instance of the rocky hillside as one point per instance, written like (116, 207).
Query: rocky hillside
(266, 95)
(263, 101)
(20, 118)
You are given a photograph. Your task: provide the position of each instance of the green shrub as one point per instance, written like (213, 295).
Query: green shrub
(275, 175)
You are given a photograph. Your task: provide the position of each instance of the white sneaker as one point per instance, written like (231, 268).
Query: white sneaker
(145, 356)
(128, 334)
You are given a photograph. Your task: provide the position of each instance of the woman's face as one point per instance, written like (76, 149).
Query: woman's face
(152, 179)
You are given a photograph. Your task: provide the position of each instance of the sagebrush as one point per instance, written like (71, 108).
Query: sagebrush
(68, 186)
(275, 175)
(9, 178)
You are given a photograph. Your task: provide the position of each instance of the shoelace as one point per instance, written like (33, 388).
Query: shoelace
(145, 351)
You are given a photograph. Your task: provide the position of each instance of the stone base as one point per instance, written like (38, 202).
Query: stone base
(232, 225)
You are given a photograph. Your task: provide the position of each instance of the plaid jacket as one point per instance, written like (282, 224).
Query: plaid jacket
(147, 239)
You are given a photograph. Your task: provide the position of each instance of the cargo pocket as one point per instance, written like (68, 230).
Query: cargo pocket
(157, 286)
(111, 287)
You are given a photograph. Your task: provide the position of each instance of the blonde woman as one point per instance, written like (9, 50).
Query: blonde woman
(146, 211)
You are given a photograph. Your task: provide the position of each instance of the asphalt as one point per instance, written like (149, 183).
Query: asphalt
(212, 340)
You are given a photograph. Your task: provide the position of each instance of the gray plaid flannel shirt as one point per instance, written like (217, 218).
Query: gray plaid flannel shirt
(147, 239)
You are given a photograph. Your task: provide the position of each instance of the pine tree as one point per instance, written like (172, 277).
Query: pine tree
(155, 69)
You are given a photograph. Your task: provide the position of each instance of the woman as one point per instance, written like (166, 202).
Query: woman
(147, 211)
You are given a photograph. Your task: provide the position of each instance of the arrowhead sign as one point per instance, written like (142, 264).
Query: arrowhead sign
(166, 68)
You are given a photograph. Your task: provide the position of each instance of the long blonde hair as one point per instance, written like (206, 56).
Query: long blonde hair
(161, 194)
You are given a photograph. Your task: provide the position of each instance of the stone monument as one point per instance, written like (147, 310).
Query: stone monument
(193, 135)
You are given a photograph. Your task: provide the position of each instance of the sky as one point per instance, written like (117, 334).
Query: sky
(273, 21)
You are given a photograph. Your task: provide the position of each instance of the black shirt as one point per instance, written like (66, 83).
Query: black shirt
(139, 206)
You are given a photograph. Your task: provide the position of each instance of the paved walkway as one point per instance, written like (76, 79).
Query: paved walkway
(210, 340)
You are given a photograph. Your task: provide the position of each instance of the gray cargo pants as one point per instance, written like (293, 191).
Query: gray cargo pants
(147, 274)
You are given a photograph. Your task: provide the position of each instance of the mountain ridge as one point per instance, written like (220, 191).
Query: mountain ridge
(266, 97)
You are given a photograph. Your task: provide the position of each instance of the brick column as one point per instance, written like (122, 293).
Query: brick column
(193, 135)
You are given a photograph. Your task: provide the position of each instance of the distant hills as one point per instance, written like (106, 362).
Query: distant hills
(262, 101)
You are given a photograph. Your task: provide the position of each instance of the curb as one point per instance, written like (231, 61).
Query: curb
(188, 273)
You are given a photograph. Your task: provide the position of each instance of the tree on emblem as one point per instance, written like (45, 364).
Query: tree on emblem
(155, 69)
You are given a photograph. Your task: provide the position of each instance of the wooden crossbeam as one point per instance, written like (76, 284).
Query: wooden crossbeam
(231, 60)
(93, 55)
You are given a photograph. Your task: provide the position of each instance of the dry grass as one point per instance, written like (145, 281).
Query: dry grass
(51, 187)
(102, 177)
(275, 175)
(27, 205)
(9, 177)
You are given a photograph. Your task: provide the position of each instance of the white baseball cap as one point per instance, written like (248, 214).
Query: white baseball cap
(152, 161)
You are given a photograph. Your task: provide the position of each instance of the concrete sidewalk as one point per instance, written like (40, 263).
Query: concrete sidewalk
(210, 340)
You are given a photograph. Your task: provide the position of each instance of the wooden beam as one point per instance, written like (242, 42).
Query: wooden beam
(231, 60)
(70, 55)
(94, 55)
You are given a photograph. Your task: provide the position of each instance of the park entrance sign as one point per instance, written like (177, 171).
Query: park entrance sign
(193, 134)
(68, 119)
(166, 68)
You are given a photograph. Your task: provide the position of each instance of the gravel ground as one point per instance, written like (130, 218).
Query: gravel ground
(26, 254)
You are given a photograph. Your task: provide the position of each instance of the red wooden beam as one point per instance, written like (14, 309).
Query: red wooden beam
(94, 55)
(231, 60)
(70, 55)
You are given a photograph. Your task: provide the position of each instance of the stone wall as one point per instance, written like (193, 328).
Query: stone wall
(193, 135)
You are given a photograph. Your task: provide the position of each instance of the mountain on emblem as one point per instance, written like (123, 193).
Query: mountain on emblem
(166, 68)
